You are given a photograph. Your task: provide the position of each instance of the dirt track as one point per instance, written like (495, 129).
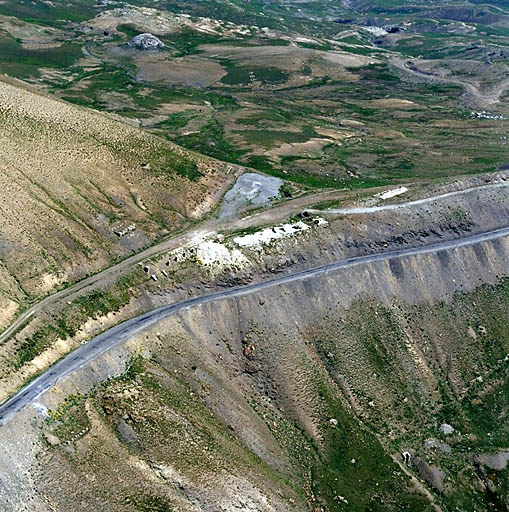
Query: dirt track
(482, 97)
(427, 200)
(210, 228)
(120, 333)
(206, 228)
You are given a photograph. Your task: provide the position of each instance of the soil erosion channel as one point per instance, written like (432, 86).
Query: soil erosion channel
(122, 332)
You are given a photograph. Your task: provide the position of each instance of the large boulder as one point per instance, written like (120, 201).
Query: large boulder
(146, 42)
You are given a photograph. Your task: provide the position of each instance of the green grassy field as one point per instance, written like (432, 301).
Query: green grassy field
(258, 106)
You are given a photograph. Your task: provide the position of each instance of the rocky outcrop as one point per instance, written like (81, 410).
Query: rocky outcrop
(146, 42)
(433, 475)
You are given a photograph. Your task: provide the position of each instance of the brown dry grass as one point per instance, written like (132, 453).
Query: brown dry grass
(183, 71)
(69, 175)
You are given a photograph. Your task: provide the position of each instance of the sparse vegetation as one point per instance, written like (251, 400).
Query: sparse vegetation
(306, 396)
(96, 303)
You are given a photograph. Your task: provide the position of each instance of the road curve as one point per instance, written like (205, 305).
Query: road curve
(408, 204)
(120, 333)
(95, 278)
(204, 229)
(211, 227)
(484, 97)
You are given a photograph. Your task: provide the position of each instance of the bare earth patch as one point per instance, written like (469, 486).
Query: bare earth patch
(190, 71)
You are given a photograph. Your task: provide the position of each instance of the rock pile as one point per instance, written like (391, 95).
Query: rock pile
(146, 41)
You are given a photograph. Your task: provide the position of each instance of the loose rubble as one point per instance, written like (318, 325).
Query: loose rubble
(446, 429)
(392, 193)
(268, 235)
(214, 253)
(487, 115)
(146, 42)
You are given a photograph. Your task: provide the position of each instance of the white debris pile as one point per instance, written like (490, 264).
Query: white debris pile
(211, 254)
(146, 41)
(487, 115)
(182, 254)
(392, 193)
(319, 221)
(268, 235)
(215, 254)
(376, 31)
(446, 429)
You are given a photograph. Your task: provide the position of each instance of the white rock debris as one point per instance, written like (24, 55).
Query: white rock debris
(217, 254)
(446, 429)
(392, 193)
(319, 221)
(41, 409)
(376, 31)
(146, 42)
(268, 235)
(487, 115)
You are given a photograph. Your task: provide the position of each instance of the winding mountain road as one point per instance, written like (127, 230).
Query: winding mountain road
(120, 333)
(487, 96)
(211, 227)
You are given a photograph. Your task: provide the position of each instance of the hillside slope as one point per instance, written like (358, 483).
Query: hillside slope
(81, 189)
(301, 397)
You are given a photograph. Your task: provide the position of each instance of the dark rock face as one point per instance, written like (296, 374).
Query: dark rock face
(433, 475)
(146, 42)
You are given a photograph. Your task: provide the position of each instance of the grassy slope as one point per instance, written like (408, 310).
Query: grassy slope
(432, 139)
(273, 394)
(71, 177)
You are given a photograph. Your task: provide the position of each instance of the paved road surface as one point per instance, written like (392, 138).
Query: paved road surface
(211, 227)
(122, 332)
(204, 229)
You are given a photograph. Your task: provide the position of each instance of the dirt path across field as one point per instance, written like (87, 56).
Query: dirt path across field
(211, 227)
(409, 204)
(484, 97)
